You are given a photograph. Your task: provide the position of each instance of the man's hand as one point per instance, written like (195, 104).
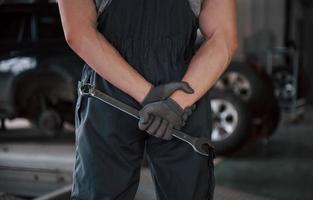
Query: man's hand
(160, 117)
(162, 92)
(156, 104)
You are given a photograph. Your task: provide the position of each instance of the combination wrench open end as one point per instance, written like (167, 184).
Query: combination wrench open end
(200, 145)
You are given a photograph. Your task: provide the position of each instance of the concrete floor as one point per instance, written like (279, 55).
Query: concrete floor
(281, 169)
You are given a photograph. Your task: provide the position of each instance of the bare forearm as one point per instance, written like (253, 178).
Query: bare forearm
(205, 68)
(82, 36)
(109, 64)
(217, 22)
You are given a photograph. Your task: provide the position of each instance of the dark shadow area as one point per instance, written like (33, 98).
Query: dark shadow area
(25, 135)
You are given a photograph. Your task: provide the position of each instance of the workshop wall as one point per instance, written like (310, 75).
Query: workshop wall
(260, 26)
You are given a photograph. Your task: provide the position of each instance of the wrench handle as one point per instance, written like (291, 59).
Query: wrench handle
(183, 136)
(90, 90)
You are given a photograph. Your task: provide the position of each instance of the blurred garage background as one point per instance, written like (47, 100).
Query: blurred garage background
(262, 105)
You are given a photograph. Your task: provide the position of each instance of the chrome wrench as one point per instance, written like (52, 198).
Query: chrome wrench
(200, 145)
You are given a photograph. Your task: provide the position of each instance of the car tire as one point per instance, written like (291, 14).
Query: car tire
(246, 83)
(67, 109)
(274, 118)
(50, 123)
(231, 121)
(272, 112)
(46, 118)
(283, 80)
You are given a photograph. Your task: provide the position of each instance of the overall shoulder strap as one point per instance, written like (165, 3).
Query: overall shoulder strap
(100, 5)
(196, 6)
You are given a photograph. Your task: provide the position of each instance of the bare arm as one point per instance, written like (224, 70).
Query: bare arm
(217, 23)
(79, 19)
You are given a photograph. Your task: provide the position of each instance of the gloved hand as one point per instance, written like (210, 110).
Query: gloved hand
(187, 113)
(159, 117)
(162, 92)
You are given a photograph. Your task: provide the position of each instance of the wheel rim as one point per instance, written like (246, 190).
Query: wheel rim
(225, 119)
(238, 83)
(284, 87)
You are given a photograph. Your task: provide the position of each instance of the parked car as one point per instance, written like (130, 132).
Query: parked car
(38, 70)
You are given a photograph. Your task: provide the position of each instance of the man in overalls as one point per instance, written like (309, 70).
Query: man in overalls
(142, 53)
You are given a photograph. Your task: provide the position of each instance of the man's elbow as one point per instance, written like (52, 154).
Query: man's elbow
(233, 45)
(78, 38)
(71, 38)
(232, 48)
(230, 41)
(74, 36)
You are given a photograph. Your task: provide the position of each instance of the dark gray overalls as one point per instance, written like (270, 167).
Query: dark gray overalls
(156, 37)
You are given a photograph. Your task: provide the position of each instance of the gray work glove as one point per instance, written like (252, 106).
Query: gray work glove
(158, 118)
(162, 92)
